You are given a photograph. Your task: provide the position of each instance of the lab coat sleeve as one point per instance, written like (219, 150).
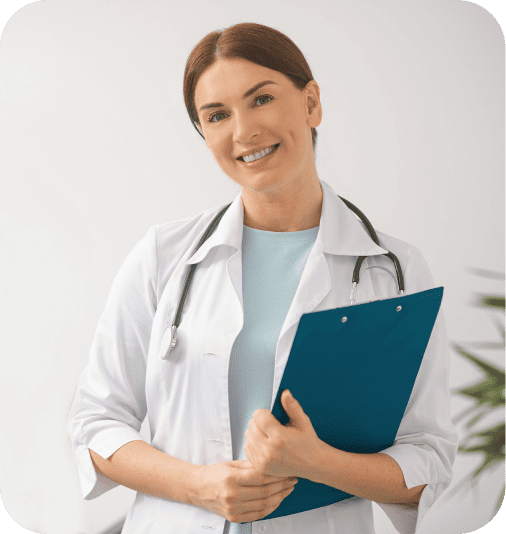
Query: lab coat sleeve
(110, 404)
(426, 442)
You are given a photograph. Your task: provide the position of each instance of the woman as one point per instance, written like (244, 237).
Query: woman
(286, 246)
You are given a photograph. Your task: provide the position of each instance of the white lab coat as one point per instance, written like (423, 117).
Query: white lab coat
(186, 396)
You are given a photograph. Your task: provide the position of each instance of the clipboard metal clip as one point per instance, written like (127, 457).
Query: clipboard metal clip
(353, 293)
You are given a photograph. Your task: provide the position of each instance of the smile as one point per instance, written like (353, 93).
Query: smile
(259, 155)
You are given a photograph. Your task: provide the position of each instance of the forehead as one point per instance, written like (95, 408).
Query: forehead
(231, 78)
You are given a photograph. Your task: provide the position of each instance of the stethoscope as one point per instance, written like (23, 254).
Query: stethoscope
(214, 223)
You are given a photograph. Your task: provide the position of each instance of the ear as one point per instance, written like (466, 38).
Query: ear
(314, 108)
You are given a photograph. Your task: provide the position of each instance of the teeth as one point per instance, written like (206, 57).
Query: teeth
(258, 155)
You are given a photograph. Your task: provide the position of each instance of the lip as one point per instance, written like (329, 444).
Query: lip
(257, 161)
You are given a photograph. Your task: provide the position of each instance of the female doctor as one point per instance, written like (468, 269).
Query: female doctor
(286, 246)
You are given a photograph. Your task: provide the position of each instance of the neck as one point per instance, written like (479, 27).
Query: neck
(291, 209)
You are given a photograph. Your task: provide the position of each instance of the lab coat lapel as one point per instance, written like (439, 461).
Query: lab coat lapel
(228, 233)
(227, 319)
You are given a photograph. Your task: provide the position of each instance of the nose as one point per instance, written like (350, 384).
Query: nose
(245, 128)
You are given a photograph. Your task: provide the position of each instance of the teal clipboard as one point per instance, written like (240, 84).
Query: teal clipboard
(353, 369)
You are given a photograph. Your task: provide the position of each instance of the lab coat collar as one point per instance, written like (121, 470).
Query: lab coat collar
(340, 232)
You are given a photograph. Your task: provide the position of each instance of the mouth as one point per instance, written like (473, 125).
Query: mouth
(273, 149)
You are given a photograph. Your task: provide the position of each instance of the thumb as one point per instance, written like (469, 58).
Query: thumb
(291, 406)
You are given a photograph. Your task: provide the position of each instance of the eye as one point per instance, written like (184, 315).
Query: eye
(218, 113)
(264, 96)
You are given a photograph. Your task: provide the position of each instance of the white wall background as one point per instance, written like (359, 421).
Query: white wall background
(96, 146)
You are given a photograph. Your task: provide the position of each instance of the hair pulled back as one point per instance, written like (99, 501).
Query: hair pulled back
(253, 42)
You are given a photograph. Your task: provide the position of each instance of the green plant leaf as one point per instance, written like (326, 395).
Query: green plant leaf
(476, 418)
(486, 394)
(500, 328)
(463, 413)
(491, 301)
(487, 274)
(484, 366)
(492, 446)
(492, 345)
(490, 391)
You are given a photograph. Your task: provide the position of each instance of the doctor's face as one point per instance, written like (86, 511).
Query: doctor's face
(249, 110)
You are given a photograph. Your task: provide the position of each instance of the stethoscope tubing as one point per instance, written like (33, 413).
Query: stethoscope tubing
(356, 271)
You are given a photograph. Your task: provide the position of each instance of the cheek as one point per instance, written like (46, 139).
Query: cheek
(278, 119)
(293, 119)
(220, 149)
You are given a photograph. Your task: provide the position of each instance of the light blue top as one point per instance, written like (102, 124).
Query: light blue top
(272, 265)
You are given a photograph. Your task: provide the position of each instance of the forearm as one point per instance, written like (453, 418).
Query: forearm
(143, 468)
(376, 477)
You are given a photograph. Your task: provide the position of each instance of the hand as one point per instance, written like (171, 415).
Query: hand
(238, 492)
(282, 450)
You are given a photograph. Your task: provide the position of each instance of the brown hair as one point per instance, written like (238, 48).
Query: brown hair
(254, 42)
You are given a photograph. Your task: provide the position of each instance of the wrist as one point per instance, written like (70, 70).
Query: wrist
(317, 462)
(195, 480)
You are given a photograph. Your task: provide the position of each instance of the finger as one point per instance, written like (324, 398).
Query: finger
(256, 432)
(255, 478)
(260, 493)
(246, 465)
(274, 502)
(264, 421)
(253, 448)
(251, 454)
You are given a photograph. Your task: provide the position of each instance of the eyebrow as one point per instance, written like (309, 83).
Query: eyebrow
(246, 94)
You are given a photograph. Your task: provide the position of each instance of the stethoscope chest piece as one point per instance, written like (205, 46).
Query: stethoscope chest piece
(168, 342)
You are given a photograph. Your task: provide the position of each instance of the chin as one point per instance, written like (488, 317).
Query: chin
(264, 185)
